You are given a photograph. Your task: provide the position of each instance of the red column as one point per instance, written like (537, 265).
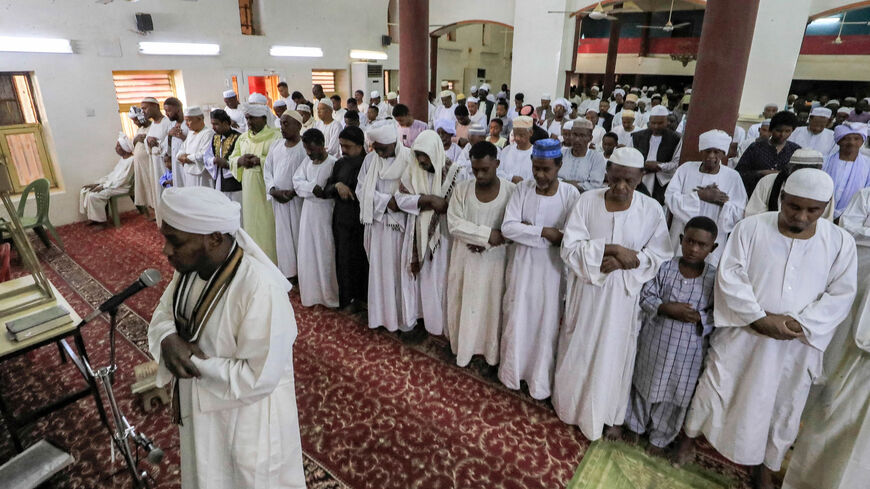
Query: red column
(413, 50)
(610, 66)
(433, 65)
(726, 37)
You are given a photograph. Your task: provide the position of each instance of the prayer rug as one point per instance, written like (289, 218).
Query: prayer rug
(609, 465)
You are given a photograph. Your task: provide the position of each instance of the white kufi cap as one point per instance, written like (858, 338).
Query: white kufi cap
(810, 183)
(714, 139)
(626, 156)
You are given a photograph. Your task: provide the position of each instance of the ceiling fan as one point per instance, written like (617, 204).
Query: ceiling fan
(669, 26)
(597, 13)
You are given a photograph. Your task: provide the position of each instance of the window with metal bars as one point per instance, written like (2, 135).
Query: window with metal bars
(324, 78)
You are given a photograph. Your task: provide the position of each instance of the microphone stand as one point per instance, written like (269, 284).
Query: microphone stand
(122, 432)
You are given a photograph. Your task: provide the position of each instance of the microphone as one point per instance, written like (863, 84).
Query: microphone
(155, 454)
(147, 279)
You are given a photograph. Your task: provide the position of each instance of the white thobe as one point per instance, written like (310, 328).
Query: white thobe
(330, 135)
(442, 112)
(592, 103)
(757, 203)
(115, 183)
(666, 168)
(158, 131)
(431, 283)
(384, 110)
(240, 424)
(682, 200)
(749, 399)
(586, 172)
(754, 131)
(533, 300)
(739, 135)
(390, 283)
(598, 133)
(554, 128)
(454, 152)
(478, 117)
(833, 449)
(475, 285)
(822, 142)
(195, 147)
(174, 147)
(144, 181)
(318, 283)
(598, 341)
(238, 117)
(515, 162)
(278, 170)
(623, 137)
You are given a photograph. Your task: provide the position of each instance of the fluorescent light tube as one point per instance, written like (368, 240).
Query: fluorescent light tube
(34, 45)
(363, 54)
(180, 48)
(296, 51)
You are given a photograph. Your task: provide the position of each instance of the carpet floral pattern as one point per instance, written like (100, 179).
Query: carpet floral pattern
(374, 412)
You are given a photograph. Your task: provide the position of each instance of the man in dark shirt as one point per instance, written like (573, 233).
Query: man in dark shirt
(765, 157)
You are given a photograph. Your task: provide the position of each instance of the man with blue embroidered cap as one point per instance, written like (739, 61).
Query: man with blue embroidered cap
(222, 334)
(785, 281)
(614, 241)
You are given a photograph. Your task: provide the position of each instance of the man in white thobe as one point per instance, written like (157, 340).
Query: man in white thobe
(515, 160)
(285, 156)
(144, 180)
(446, 108)
(815, 135)
(785, 281)
(707, 188)
(193, 151)
(392, 295)
(833, 450)
(614, 241)
(329, 127)
(155, 141)
(93, 197)
(766, 196)
(223, 334)
(236, 113)
(178, 132)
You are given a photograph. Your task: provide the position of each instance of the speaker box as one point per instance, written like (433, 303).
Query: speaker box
(386, 41)
(144, 22)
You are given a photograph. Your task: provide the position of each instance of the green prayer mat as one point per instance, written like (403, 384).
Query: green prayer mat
(615, 465)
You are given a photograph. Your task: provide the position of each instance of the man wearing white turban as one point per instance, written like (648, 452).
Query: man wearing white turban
(614, 241)
(785, 281)
(707, 188)
(561, 107)
(236, 113)
(392, 298)
(93, 197)
(815, 135)
(246, 163)
(446, 108)
(849, 168)
(222, 335)
(191, 159)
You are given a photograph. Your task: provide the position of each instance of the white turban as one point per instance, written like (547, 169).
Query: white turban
(446, 93)
(821, 112)
(485, 86)
(626, 156)
(125, 142)
(375, 94)
(447, 125)
(392, 96)
(545, 96)
(658, 111)
(257, 98)
(303, 108)
(383, 132)
(229, 94)
(810, 183)
(295, 115)
(714, 139)
(279, 103)
(256, 110)
(474, 100)
(477, 129)
(844, 110)
(204, 210)
(564, 103)
(619, 91)
(473, 88)
(193, 111)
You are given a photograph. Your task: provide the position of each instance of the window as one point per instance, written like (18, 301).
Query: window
(22, 147)
(451, 35)
(132, 86)
(246, 17)
(324, 78)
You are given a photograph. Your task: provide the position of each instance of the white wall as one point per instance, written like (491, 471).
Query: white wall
(540, 57)
(72, 85)
(634, 64)
(467, 53)
(443, 12)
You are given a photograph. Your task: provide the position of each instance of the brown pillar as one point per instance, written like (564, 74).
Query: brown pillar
(612, 50)
(433, 65)
(413, 39)
(726, 37)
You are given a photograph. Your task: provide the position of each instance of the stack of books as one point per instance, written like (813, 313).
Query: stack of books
(37, 323)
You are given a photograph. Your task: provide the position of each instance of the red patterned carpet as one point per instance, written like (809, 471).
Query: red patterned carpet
(374, 412)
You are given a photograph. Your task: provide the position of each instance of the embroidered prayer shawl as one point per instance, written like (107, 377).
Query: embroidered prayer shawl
(189, 327)
(378, 170)
(416, 181)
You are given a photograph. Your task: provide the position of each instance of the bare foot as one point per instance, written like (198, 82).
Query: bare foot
(613, 433)
(684, 453)
(631, 437)
(762, 477)
(657, 451)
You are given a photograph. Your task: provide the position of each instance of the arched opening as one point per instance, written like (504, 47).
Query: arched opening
(470, 52)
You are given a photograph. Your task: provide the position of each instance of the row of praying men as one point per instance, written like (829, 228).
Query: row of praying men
(406, 229)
